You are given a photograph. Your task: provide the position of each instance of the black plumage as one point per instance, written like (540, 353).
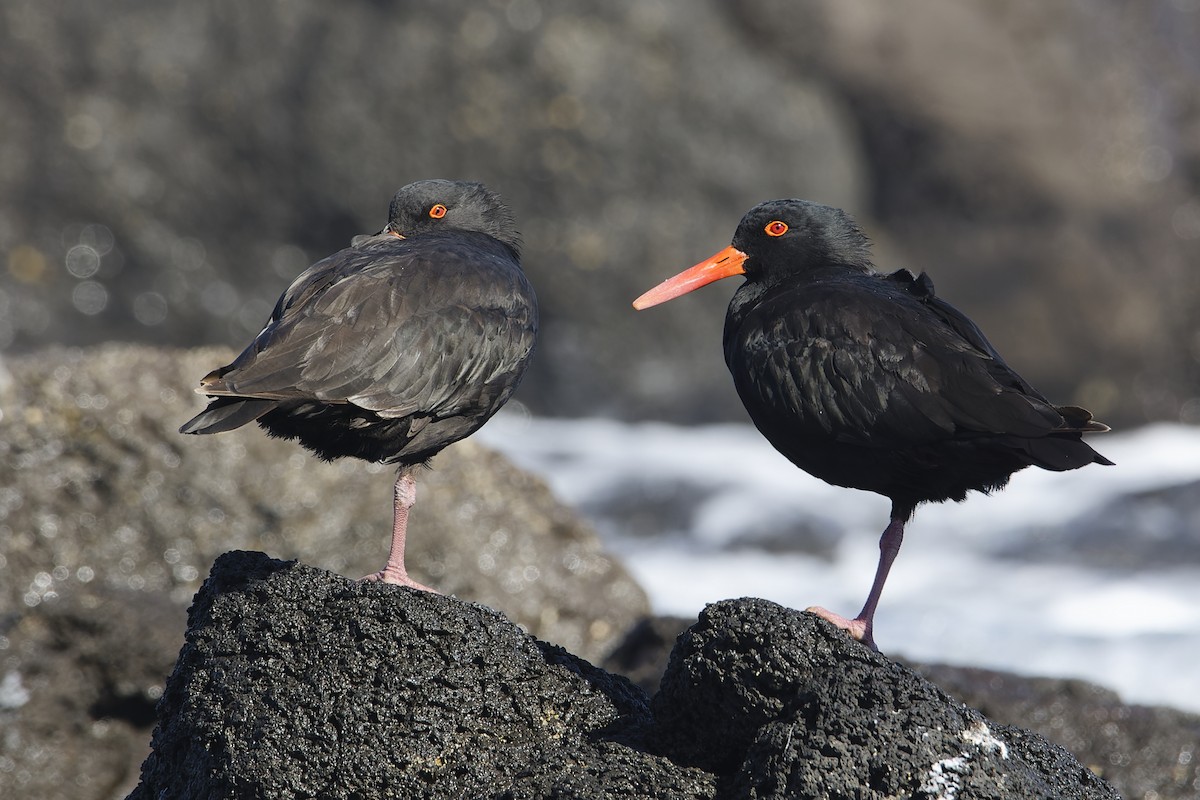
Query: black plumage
(871, 381)
(394, 348)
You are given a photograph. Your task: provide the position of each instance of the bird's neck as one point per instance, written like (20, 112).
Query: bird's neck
(753, 292)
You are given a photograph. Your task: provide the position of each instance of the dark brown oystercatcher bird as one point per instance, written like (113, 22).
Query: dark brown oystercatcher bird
(869, 380)
(393, 348)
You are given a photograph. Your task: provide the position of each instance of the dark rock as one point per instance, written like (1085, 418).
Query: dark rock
(643, 510)
(642, 655)
(810, 533)
(296, 682)
(1148, 530)
(1144, 752)
(1141, 751)
(174, 158)
(788, 706)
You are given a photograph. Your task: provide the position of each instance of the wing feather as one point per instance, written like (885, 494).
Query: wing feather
(876, 368)
(394, 326)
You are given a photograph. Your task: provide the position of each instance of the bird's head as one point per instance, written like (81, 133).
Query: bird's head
(776, 240)
(442, 205)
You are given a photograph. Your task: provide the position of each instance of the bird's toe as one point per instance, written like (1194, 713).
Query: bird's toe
(397, 578)
(858, 628)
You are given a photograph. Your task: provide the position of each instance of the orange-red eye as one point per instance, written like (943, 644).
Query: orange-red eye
(438, 211)
(776, 228)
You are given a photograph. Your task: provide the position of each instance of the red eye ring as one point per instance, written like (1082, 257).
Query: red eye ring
(438, 211)
(776, 228)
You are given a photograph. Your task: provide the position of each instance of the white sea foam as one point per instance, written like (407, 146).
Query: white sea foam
(947, 600)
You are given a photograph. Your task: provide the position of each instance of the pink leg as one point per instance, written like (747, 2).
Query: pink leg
(861, 626)
(395, 572)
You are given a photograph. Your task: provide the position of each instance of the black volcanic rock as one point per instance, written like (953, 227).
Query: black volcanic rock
(791, 707)
(297, 682)
(1143, 751)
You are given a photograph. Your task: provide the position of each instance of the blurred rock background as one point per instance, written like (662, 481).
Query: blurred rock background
(110, 520)
(165, 169)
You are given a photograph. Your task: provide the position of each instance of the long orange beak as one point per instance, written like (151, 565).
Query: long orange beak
(722, 265)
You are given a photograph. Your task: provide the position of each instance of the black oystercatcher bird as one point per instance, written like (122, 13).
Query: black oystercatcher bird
(869, 380)
(393, 348)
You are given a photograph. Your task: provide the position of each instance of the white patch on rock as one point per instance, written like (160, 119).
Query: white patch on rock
(979, 735)
(943, 781)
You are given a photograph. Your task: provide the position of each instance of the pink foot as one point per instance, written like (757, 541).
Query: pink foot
(858, 628)
(394, 576)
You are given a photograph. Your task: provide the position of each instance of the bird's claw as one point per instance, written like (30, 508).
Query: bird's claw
(859, 628)
(397, 577)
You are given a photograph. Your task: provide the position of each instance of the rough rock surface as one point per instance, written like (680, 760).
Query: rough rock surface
(791, 707)
(109, 519)
(296, 682)
(1142, 751)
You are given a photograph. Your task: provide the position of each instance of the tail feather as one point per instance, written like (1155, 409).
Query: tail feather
(227, 413)
(1080, 419)
(1063, 448)
(1062, 452)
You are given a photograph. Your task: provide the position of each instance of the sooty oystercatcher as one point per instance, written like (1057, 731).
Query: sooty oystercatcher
(393, 348)
(869, 380)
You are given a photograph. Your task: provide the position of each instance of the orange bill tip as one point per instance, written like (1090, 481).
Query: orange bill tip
(724, 264)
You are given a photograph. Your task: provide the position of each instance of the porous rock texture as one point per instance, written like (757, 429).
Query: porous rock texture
(1142, 751)
(787, 706)
(294, 682)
